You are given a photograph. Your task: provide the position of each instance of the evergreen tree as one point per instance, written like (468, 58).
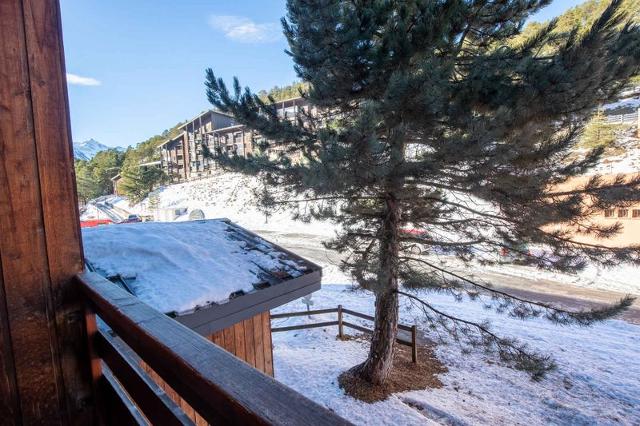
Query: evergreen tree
(93, 177)
(281, 93)
(86, 185)
(599, 132)
(105, 165)
(435, 119)
(138, 179)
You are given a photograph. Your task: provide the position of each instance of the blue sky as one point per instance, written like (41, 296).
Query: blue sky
(136, 67)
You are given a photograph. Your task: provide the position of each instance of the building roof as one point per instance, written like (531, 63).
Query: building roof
(229, 128)
(209, 111)
(209, 274)
(175, 138)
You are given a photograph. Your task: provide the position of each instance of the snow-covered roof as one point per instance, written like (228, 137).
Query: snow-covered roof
(184, 266)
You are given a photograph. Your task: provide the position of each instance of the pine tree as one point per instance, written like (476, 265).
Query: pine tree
(139, 180)
(435, 119)
(599, 132)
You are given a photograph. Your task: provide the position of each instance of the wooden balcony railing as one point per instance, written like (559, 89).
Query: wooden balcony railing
(220, 388)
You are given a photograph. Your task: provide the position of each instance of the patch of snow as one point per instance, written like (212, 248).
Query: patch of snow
(229, 195)
(180, 266)
(632, 102)
(597, 380)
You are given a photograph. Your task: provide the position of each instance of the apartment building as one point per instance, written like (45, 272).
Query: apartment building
(627, 215)
(184, 156)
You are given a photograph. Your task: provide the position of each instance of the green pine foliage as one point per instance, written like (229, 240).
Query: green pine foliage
(276, 93)
(138, 180)
(599, 132)
(442, 116)
(93, 177)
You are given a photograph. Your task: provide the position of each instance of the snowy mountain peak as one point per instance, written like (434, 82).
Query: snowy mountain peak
(88, 149)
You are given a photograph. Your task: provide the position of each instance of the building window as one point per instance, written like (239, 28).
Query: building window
(635, 213)
(609, 213)
(623, 212)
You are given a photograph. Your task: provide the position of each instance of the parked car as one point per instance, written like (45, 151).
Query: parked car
(414, 233)
(133, 218)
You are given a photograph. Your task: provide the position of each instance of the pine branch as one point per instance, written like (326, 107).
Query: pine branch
(553, 313)
(509, 350)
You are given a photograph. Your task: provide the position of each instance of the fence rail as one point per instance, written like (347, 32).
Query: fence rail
(219, 387)
(341, 323)
(623, 118)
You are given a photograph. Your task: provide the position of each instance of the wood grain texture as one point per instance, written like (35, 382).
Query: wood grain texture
(40, 249)
(147, 394)
(238, 330)
(258, 342)
(221, 388)
(9, 405)
(26, 280)
(267, 343)
(249, 342)
(54, 151)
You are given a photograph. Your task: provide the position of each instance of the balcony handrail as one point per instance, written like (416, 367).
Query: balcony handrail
(220, 387)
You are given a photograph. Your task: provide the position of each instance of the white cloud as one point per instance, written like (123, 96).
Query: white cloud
(82, 81)
(244, 30)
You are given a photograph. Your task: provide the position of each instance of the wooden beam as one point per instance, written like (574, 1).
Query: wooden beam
(40, 249)
(220, 387)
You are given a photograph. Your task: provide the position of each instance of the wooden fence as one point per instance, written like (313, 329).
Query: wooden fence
(623, 118)
(341, 323)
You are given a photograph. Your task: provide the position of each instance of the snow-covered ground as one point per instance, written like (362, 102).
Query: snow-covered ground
(632, 102)
(598, 375)
(597, 380)
(224, 195)
(230, 195)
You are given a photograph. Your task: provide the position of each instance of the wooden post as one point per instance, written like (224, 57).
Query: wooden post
(414, 344)
(44, 370)
(91, 327)
(340, 328)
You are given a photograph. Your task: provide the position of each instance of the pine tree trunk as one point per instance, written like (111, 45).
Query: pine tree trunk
(377, 367)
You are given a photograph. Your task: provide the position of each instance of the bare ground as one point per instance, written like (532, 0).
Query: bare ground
(405, 375)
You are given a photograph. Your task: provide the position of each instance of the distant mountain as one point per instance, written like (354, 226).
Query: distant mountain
(88, 149)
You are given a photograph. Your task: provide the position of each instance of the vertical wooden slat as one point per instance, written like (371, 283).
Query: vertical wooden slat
(238, 331)
(9, 406)
(22, 244)
(259, 341)
(229, 340)
(267, 344)
(40, 246)
(218, 338)
(54, 151)
(249, 342)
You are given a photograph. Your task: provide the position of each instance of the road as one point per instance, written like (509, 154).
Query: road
(116, 214)
(564, 295)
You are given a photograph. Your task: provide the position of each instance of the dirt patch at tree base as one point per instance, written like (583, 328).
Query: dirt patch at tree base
(405, 376)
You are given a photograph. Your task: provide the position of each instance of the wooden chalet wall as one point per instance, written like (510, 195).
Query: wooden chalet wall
(44, 370)
(249, 340)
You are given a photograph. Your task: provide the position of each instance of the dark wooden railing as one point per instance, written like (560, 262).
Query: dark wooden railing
(221, 388)
(341, 323)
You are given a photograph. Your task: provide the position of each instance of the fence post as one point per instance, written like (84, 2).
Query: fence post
(340, 330)
(414, 344)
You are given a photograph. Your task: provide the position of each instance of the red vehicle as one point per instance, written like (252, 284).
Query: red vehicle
(91, 223)
(414, 233)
